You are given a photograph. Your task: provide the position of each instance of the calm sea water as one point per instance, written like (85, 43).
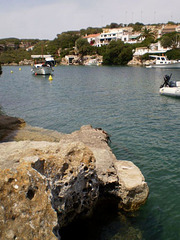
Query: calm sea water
(144, 128)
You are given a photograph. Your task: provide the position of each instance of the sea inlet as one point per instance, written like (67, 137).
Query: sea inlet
(144, 128)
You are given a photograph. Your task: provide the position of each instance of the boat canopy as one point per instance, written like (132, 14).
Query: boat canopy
(41, 56)
(156, 56)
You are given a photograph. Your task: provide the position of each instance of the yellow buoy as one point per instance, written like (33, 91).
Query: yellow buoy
(11, 71)
(19, 69)
(50, 78)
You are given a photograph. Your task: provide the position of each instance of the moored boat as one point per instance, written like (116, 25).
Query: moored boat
(41, 69)
(163, 62)
(43, 64)
(170, 88)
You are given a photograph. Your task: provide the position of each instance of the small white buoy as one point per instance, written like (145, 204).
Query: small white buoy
(50, 78)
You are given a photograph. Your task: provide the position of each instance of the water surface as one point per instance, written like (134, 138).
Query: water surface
(143, 125)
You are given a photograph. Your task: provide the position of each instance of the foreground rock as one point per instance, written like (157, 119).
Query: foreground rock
(121, 179)
(8, 125)
(46, 185)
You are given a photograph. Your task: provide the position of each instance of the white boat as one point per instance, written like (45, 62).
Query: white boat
(170, 88)
(43, 64)
(91, 62)
(163, 62)
(41, 69)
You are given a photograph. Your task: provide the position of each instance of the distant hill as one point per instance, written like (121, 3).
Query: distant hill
(15, 50)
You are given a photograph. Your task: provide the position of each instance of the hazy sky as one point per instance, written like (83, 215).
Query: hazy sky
(44, 19)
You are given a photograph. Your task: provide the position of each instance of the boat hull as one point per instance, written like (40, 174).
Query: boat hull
(41, 70)
(167, 66)
(170, 91)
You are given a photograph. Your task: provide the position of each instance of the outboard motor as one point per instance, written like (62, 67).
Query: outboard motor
(172, 83)
(166, 81)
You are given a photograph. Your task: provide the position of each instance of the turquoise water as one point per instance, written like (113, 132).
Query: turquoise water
(144, 128)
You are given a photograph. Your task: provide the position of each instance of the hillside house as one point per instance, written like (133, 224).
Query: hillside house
(104, 38)
(93, 39)
(153, 49)
(168, 29)
(29, 48)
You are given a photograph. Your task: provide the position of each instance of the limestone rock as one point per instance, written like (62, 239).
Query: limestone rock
(36, 181)
(136, 61)
(119, 179)
(133, 189)
(46, 185)
(25, 207)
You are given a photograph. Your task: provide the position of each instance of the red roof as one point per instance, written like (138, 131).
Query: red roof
(92, 35)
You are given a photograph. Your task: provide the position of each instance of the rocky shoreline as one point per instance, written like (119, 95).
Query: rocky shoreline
(52, 179)
(96, 60)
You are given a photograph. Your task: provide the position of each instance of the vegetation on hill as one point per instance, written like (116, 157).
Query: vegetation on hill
(70, 42)
(170, 40)
(173, 54)
(117, 53)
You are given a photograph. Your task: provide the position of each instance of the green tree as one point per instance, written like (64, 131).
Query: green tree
(84, 47)
(126, 55)
(14, 55)
(136, 27)
(40, 48)
(170, 40)
(114, 25)
(117, 53)
(90, 30)
(173, 54)
(67, 39)
(147, 33)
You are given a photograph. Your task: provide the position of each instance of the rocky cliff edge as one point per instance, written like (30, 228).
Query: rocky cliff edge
(45, 185)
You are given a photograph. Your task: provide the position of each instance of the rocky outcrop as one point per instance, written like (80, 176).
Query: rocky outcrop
(136, 61)
(39, 182)
(119, 179)
(82, 60)
(26, 62)
(8, 125)
(25, 206)
(46, 185)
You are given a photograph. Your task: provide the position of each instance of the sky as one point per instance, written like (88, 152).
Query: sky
(44, 19)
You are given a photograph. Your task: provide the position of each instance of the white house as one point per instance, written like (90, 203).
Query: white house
(154, 48)
(93, 39)
(104, 38)
(30, 48)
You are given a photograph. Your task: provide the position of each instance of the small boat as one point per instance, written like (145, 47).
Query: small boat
(43, 64)
(163, 62)
(92, 62)
(41, 69)
(170, 88)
